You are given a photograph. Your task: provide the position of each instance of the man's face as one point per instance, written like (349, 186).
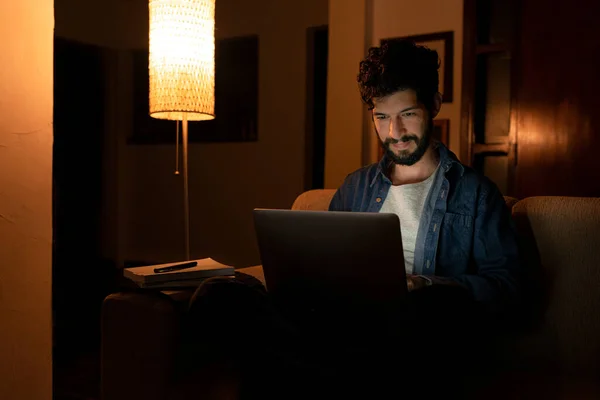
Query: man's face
(403, 126)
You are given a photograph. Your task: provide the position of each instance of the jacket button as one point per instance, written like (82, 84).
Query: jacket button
(378, 199)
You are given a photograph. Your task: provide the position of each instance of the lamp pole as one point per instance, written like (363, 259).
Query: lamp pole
(186, 198)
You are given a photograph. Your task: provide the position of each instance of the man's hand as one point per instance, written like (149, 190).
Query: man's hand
(415, 282)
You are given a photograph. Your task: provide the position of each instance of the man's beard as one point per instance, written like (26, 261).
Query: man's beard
(405, 157)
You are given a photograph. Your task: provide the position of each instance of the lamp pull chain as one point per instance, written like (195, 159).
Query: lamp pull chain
(177, 149)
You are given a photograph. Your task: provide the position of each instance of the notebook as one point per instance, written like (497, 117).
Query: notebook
(206, 268)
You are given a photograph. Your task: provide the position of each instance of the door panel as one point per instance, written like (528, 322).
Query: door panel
(558, 99)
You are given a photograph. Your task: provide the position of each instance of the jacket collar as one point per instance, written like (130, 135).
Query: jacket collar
(447, 160)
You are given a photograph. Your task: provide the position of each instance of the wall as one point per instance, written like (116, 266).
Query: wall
(350, 137)
(228, 180)
(144, 202)
(115, 24)
(25, 199)
(345, 113)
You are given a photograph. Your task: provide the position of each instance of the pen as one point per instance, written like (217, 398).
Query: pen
(175, 267)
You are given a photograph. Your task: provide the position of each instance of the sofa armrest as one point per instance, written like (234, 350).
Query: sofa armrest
(140, 332)
(255, 271)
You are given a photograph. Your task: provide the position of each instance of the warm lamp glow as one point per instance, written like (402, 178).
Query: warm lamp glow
(181, 60)
(182, 71)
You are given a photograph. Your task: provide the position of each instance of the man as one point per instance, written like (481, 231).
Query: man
(456, 228)
(459, 247)
(459, 244)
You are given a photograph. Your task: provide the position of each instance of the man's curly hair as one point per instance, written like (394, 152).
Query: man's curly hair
(399, 65)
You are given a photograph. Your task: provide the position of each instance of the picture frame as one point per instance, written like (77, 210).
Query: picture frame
(441, 133)
(443, 43)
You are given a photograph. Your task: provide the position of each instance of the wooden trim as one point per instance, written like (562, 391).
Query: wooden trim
(496, 148)
(309, 134)
(497, 140)
(468, 81)
(491, 48)
(472, 52)
(368, 145)
(308, 109)
(515, 84)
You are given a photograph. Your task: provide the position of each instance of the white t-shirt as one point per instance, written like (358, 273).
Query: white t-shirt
(407, 202)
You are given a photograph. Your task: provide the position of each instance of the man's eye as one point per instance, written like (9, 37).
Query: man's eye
(381, 116)
(409, 114)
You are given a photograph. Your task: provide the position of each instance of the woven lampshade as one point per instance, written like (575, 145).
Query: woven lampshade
(182, 59)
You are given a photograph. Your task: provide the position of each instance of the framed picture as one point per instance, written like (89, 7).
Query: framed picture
(443, 43)
(441, 132)
(236, 98)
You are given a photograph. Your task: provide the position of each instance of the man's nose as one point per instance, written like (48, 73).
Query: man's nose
(397, 128)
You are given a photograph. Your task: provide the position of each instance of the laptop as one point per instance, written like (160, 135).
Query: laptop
(332, 262)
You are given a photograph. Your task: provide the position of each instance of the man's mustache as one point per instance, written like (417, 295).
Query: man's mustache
(405, 138)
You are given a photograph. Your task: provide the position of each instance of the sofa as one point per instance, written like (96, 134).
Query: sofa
(554, 355)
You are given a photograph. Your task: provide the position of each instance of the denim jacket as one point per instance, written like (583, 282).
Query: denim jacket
(466, 233)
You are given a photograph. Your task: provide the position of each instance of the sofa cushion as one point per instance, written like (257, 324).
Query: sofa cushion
(140, 330)
(255, 271)
(314, 200)
(562, 234)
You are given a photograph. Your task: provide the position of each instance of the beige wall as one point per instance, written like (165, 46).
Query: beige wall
(144, 200)
(351, 141)
(227, 180)
(25, 199)
(345, 112)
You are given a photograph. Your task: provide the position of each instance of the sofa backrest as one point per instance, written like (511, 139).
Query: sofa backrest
(314, 200)
(561, 237)
(319, 199)
(561, 248)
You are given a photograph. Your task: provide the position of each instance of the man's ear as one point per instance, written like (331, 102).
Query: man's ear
(437, 104)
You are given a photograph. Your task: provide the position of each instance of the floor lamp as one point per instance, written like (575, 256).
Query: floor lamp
(182, 71)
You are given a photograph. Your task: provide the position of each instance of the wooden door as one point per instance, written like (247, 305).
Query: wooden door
(558, 99)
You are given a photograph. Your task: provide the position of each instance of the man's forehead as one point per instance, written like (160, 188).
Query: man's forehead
(399, 100)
